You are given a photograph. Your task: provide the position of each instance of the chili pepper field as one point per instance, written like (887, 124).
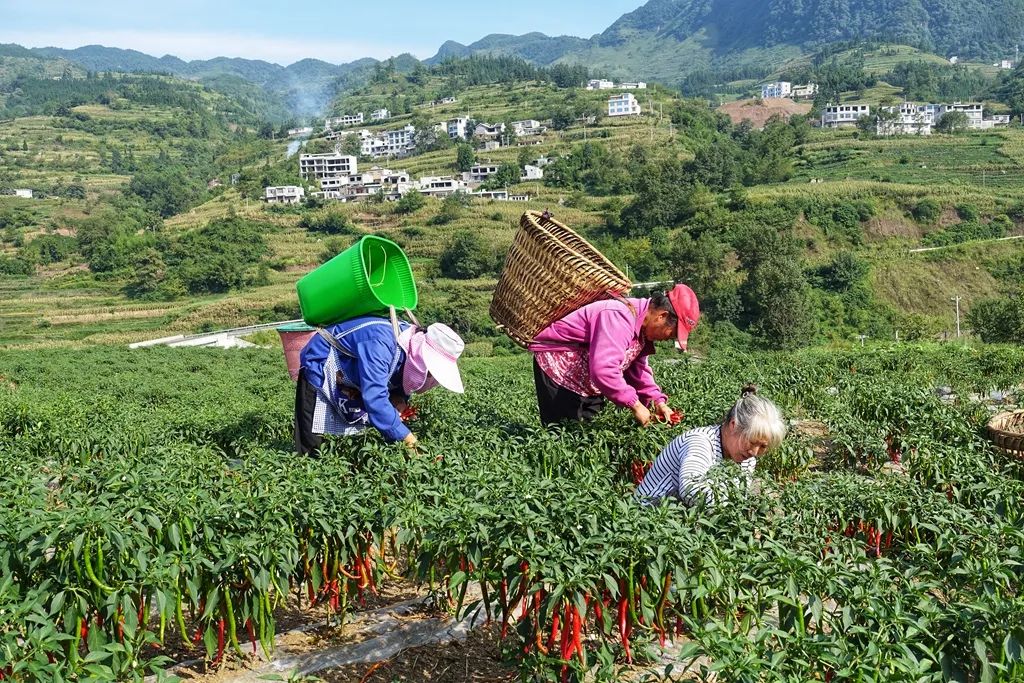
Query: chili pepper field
(151, 497)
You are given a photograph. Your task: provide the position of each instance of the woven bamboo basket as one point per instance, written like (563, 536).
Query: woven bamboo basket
(549, 272)
(1006, 430)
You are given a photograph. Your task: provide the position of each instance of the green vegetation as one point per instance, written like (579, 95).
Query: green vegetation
(164, 484)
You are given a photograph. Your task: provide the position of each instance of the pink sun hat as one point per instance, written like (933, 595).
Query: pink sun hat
(432, 354)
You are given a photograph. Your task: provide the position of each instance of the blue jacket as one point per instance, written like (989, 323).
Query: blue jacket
(374, 369)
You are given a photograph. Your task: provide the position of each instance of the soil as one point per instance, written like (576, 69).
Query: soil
(759, 111)
(475, 660)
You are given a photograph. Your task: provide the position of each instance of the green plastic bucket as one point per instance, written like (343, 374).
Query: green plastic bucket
(368, 277)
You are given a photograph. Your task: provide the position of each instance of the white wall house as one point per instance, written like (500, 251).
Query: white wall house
(329, 164)
(380, 115)
(305, 130)
(527, 127)
(838, 115)
(906, 119)
(633, 85)
(491, 145)
(1006, 64)
(24, 193)
(623, 105)
(972, 110)
(440, 186)
(804, 92)
(600, 84)
(284, 194)
(776, 90)
(342, 121)
(457, 127)
(481, 172)
(531, 172)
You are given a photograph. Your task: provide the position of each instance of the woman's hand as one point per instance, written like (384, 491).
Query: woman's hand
(641, 413)
(410, 441)
(664, 413)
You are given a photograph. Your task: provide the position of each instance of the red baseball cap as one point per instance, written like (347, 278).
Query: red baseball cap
(687, 309)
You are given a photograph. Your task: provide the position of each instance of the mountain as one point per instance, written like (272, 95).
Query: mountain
(667, 39)
(19, 62)
(533, 47)
(300, 89)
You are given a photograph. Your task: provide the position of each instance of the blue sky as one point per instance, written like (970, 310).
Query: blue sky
(285, 32)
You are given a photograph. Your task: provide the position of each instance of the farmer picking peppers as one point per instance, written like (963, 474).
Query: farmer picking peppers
(361, 372)
(600, 352)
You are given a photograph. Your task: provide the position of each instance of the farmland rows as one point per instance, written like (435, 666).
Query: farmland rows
(150, 496)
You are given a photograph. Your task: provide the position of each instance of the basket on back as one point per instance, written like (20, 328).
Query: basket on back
(1006, 430)
(550, 272)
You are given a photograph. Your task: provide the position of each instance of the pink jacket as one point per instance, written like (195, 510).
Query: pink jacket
(607, 328)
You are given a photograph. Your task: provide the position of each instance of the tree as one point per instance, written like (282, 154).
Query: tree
(998, 320)
(952, 122)
(464, 157)
(410, 202)
(467, 256)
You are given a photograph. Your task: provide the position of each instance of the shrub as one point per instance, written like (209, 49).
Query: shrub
(329, 221)
(926, 210)
(410, 202)
(967, 212)
(467, 256)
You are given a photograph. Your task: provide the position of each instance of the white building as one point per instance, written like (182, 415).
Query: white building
(527, 127)
(327, 165)
(440, 186)
(24, 193)
(1006, 64)
(457, 127)
(342, 121)
(623, 105)
(776, 90)
(380, 115)
(633, 85)
(954, 59)
(481, 172)
(531, 172)
(599, 84)
(838, 115)
(305, 130)
(804, 92)
(906, 119)
(491, 145)
(972, 110)
(284, 194)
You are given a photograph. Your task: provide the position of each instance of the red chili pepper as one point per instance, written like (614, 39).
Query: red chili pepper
(198, 636)
(220, 641)
(552, 639)
(84, 631)
(506, 608)
(252, 634)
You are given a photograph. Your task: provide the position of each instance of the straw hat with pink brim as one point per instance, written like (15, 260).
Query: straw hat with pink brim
(441, 350)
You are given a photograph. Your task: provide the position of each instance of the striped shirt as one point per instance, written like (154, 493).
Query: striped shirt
(681, 469)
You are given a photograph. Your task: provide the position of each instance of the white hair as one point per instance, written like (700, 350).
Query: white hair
(757, 418)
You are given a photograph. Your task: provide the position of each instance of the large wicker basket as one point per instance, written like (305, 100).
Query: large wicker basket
(1007, 431)
(550, 272)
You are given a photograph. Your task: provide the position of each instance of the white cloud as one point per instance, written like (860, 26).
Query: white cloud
(201, 45)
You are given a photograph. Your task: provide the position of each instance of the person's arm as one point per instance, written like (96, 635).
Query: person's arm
(373, 369)
(609, 334)
(640, 376)
(697, 461)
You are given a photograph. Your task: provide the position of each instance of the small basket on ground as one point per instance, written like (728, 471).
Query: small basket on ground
(1006, 430)
(549, 272)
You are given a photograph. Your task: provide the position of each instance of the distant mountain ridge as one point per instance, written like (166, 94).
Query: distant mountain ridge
(663, 40)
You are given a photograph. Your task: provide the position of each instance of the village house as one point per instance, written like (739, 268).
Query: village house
(600, 84)
(326, 165)
(905, 119)
(482, 171)
(623, 105)
(440, 186)
(776, 90)
(527, 127)
(489, 130)
(804, 92)
(23, 193)
(972, 110)
(343, 121)
(491, 145)
(380, 115)
(284, 194)
(633, 85)
(457, 127)
(531, 172)
(835, 116)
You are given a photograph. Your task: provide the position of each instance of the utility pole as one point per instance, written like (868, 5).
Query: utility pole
(957, 300)
(862, 337)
